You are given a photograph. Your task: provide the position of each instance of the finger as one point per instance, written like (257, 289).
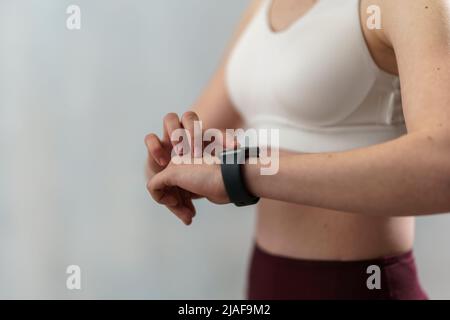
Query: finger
(171, 123)
(164, 192)
(189, 120)
(162, 195)
(156, 150)
(182, 213)
(187, 201)
(158, 186)
(195, 196)
(151, 168)
(180, 210)
(185, 210)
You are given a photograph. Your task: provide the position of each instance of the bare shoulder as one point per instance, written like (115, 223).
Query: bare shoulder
(406, 20)
(405, 25)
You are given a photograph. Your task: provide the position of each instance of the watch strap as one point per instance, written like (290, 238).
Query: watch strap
(231, 167)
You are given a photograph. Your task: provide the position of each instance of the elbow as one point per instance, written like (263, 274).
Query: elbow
(440, 187)
(445, 169)
(435, 148)
(446, 194)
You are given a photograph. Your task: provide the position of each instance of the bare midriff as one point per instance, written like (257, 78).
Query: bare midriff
(314, 233)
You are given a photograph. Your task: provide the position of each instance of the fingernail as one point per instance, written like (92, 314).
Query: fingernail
(162, 162)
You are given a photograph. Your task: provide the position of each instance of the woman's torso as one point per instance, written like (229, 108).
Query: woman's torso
(317, 83)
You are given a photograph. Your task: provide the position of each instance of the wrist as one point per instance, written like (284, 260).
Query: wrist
(232, 169)
(251, 173)
(262, 175)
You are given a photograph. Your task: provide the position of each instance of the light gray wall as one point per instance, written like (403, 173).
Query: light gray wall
(74, 108)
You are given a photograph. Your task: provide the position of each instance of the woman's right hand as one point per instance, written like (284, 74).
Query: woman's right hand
(159, 156)
(177, 200)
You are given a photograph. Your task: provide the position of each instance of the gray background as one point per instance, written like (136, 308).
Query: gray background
(74, 108)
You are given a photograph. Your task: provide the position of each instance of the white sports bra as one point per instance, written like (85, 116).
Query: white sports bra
(315, 81)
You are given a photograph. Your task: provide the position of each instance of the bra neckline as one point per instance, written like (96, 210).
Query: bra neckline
(293, 25)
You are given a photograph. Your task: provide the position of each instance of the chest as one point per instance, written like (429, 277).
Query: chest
(317, 70)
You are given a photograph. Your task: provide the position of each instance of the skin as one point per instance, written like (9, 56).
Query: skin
(346, 205)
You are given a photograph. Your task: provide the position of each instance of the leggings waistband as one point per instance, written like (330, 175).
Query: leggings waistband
(385, 278)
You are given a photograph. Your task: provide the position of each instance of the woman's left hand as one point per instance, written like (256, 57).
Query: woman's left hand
(200, 180)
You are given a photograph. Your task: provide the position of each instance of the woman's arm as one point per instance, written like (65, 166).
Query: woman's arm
(407, 176)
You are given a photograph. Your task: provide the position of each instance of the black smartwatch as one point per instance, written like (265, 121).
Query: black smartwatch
(231, 166)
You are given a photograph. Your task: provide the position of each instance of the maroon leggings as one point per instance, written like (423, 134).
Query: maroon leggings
(280, 278)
